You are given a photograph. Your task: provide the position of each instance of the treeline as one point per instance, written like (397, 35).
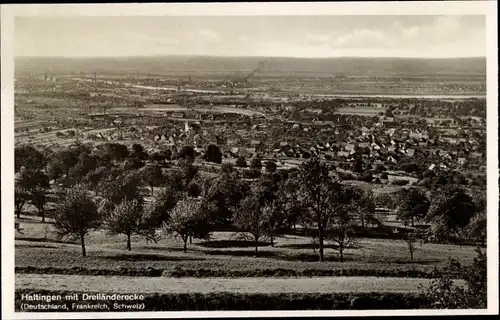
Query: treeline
(110, 187)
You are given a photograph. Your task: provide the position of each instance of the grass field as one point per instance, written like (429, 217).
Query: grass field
(224, 255)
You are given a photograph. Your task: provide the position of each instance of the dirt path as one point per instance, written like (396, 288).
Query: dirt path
(206, 285)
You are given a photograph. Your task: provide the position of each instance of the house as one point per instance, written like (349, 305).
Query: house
(349, 147)
(432, 166)
(283, 144)
(410, 152)
(364, 145)
(343, 154)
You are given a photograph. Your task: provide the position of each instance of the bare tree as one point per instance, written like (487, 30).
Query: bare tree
(128, 218)
(187, 220)
(77, 215)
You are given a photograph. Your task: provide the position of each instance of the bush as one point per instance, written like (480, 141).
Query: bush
(443, 294)
(384, 176)
(365, 177)
(399, 182)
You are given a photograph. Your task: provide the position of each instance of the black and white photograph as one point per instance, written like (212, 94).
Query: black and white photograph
(166, 159)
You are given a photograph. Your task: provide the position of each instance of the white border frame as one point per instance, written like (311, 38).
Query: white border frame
(8, 12)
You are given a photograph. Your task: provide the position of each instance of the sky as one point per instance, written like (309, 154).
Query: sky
(282, 36)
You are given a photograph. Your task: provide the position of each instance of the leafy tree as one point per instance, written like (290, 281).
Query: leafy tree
(253, 219)
(451, 210)
(188, 220)
(221, 197)
(77, 215)
(255, 163)
(227, 167)
(38, 186)
(194, 190)
(137, 148)
(94, 177)
(319, 191)
(241, 162)
(133, 163)
(29, 157)
(413, 204)
(116, 151)
(270, 166)
(86, 163)
(186, 152)
(153, 176)
(128, 218)
(477, 227)
(364, 206)
(358, 165)
(165, 200)
(23, 183)
(126, 186)
(187, 174)
(213, 154)
(139, 152)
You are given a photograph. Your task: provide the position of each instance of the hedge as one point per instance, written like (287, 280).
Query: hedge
(257, 301)
(203, 273)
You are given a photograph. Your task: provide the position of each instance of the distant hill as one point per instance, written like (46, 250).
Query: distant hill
(347, 66)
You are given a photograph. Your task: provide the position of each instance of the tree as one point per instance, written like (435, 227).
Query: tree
(477, 227)
(444, 294)
(194, 190)
(153, 176)
(213, 154)
(126, 186)
(410, 240)
(358, 165)
(270, 166)
(340, 211)
(227, 167)
(241, 162)
(22, 190)
(86, 163)
(165, 200)
(37, 190)
(451, 209)
(94, 177)
(139, 152)
(128, 218)
(255, 163)
(116, 151)
(221, 197)
(363, 205)
(133, 163)
(413, 204)
(77, 215)
(319, 191)
(187, 152)
(253, 219)
(187, 220)
(29, 157)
